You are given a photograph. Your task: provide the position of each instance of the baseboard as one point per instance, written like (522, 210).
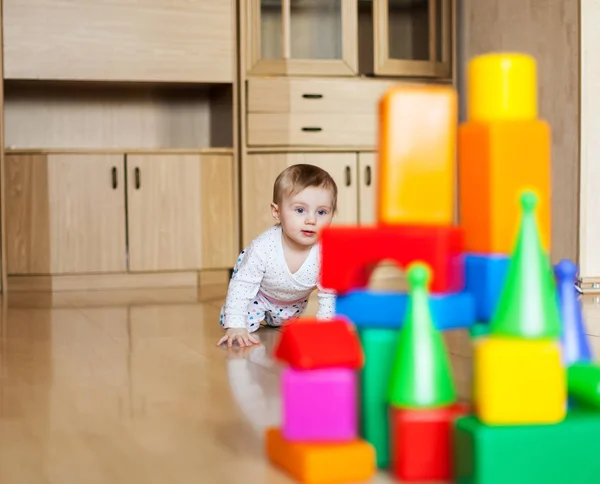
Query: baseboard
(97, 282)
(588, 285)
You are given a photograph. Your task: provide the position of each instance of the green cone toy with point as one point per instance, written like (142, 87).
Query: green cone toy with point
(528, 306)
(421, 374)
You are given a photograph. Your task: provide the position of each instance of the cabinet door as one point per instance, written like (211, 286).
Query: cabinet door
(261, 170)
(413, 38)
(65, 214)
(367, 189)
(301, 37)
(218, 212)
(164, 205)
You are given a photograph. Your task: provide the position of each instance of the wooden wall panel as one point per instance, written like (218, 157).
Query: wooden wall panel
(589, 219)
(549, 31)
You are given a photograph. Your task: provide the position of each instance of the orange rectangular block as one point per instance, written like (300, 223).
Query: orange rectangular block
(321, 463)
(417, 144)
(497, 162)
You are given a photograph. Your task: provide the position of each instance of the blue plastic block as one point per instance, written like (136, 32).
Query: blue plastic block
(575, 344)
(485, 276)
(387, 310)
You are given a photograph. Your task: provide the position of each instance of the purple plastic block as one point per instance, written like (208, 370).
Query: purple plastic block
(319, 405)
(575, 344)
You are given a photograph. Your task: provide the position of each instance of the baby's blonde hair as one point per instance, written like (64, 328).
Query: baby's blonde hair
(296, 178)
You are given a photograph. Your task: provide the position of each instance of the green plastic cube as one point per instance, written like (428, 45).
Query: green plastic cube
(567, 452)
(379, 347)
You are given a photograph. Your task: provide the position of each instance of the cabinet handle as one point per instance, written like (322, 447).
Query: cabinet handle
(312, 96)
(313, 129)
(348, 177)
(138, 182)
(368, 175)
(114, 177)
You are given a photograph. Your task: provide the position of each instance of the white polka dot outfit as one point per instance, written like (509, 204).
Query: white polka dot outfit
(262, 288)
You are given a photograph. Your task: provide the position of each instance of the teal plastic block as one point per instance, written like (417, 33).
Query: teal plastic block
(379, 347)
(566, 452)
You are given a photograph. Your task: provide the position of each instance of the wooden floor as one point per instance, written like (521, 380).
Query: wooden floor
(100, 388)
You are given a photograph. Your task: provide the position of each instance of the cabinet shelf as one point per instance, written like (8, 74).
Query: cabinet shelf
(117, 116)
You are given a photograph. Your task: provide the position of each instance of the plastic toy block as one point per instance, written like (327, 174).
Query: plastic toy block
(416, 169)
(528, 306)
(485, 277)
(379, 346)
(319, 405)
(319, 463)
(575, 344)
(497, 161)
(387, 310)
(422, 442)
(518, 381)
(502, 87)
(421, 372)
(526, 454)
(350, 254)
(310, 344)
(583, 384)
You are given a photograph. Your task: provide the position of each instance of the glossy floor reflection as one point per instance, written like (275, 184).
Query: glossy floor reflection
(118, 388)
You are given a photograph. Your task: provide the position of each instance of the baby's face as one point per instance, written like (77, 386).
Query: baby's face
(305, 214)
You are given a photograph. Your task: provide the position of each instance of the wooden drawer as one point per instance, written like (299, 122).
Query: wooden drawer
(319, 129)
(280, 95)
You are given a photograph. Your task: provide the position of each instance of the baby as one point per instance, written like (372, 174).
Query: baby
(274, 276)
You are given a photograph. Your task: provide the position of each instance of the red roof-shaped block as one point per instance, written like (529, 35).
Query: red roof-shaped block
(309, 344)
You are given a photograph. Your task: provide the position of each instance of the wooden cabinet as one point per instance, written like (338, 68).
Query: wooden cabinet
(112, 213)
(350, 37)
(128, 40)
(353, 173)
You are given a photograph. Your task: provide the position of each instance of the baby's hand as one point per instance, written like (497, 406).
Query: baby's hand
(240, 335)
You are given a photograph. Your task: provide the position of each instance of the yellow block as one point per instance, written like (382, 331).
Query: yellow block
(518, 381)
(502, 86)
(321, 463)
(417, 145)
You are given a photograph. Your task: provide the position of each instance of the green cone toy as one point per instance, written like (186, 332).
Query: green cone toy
(528, 306)
(421, 374)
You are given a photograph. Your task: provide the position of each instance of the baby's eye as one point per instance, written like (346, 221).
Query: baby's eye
(300, 210)
(322, 212)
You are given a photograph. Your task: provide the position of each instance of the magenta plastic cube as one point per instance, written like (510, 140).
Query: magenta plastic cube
(319, 405)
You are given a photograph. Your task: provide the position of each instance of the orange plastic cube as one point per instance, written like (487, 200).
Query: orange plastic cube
(321, 463)
(497, 162)
(417, 149)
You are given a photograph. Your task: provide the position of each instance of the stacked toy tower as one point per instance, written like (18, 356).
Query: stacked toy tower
(416, 206)
(318, 441)
(522, 430)
(503, 149)
(422, 394)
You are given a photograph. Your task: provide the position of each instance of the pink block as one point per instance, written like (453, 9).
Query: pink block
(319, 405)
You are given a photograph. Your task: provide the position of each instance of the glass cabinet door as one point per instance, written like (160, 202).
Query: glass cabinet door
(302, 37)
(413, 38)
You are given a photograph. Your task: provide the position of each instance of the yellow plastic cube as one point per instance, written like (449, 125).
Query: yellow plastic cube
(519, 381)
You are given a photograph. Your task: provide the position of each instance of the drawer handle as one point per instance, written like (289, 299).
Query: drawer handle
(138, 182)
(368, 175)
(312, 96)
(348, 177)
(114, 177)
(312, 129)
